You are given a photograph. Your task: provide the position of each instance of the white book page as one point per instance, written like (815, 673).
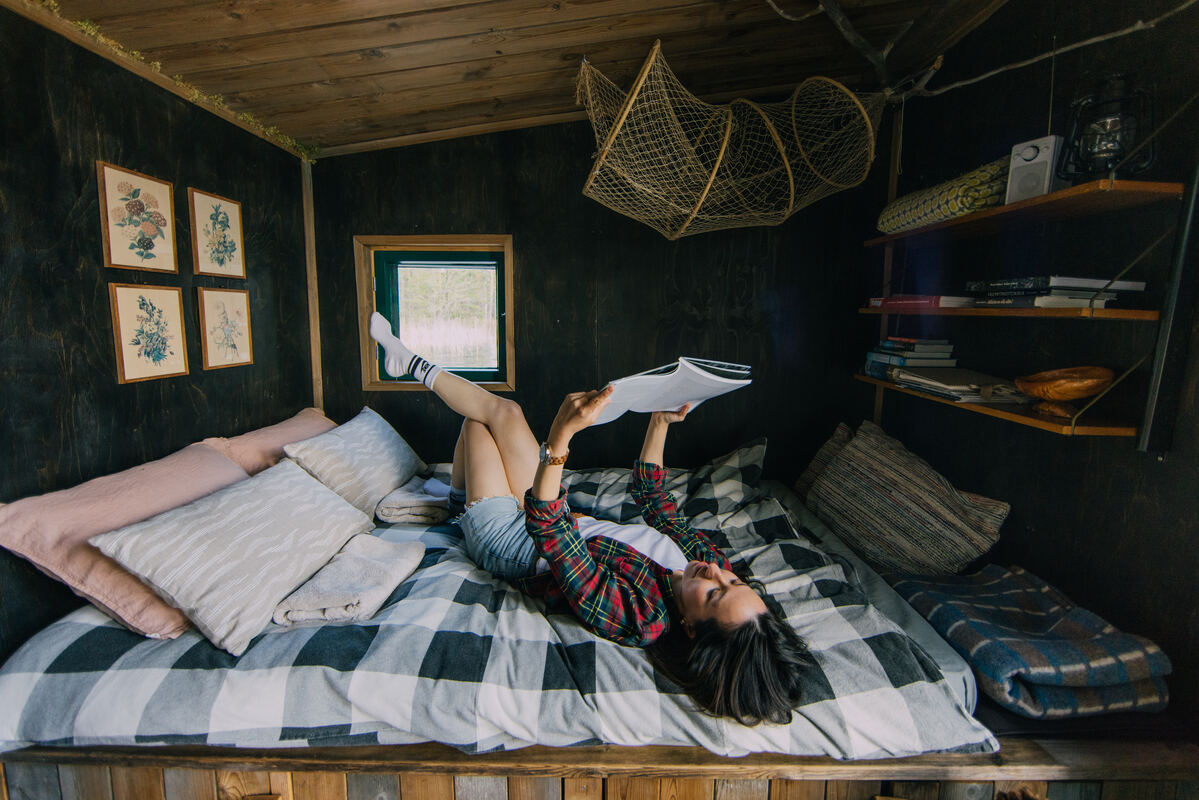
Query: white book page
(657, 390)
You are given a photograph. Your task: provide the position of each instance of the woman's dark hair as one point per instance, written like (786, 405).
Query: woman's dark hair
(751, 673)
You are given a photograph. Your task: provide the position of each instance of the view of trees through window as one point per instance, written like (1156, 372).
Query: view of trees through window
(448, 312)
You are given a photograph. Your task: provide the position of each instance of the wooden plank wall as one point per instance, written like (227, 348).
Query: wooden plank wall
(30, 781)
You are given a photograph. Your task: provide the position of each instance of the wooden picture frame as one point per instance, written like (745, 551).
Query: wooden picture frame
(218, 244)
(136, 220)
(225, 335)
(147, 331)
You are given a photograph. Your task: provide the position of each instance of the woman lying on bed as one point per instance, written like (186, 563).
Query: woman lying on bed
(665, 588)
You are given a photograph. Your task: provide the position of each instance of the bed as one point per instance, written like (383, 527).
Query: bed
(457, 657)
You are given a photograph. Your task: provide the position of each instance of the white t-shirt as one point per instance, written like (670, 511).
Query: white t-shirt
(652, 544)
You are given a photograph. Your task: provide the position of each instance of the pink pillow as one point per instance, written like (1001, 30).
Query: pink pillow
(51, 530)
(262, 448)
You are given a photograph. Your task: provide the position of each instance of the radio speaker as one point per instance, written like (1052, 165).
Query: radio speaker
(1033, 169)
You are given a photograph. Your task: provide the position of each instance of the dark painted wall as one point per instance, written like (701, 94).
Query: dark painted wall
(1116, 529)
(64, 417)
(599, 296)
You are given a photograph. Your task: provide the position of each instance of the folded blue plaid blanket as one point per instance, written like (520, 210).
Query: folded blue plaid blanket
(1034, 651)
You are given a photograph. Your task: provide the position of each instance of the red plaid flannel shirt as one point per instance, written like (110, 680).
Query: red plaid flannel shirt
(616, 591)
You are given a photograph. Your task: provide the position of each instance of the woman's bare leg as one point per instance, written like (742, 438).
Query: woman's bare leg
(504, 418)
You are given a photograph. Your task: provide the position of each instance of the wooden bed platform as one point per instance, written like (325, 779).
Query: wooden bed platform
(1061, 769)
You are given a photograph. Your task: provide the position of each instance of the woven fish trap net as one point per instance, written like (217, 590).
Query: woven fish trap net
(682, 166)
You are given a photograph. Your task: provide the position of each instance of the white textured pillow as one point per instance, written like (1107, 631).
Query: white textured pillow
(362, 460)
(226, 560)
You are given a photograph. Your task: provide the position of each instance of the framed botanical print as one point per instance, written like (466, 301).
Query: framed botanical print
(225, 328)
(147, 329)
(217, 247)
(137, 223)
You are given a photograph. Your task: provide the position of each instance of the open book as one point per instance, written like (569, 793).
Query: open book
(671, 386)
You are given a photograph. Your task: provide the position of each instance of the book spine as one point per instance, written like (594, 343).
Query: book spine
(1049, 293)
(877, 369)
(910, 340)
(1040, 282)
(925, 301)
(931, 350)
(912, 360)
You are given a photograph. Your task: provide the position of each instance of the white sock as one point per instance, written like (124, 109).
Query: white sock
(398, 359)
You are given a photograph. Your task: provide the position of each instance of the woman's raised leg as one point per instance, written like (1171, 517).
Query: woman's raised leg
(509, 430)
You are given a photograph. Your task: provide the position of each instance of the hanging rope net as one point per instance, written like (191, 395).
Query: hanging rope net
(683, 166)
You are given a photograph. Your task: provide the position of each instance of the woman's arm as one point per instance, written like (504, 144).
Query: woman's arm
(578, 411)
(655, 435)
(658, 507)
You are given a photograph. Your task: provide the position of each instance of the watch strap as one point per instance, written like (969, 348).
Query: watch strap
(552, 461)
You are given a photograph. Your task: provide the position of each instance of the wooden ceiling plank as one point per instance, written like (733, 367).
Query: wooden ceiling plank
(782, 56)
(937, 31)
(430, 111)
(196, 22)
(485, 32)
(569, 43)
(696, 70)
(543, 52)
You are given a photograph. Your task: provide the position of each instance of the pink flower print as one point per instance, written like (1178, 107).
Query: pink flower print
(129, 232)
(116, 212)
(150, 200)
(124, 187)
(149, 228)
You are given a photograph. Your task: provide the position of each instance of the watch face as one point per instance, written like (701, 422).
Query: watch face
(544, 453)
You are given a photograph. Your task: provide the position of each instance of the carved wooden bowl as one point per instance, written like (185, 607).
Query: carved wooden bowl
(1070, 383)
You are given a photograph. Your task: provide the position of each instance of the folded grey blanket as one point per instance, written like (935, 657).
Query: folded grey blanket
(355, 583)
(420, 501)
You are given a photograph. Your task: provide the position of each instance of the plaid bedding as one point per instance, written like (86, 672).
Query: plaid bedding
(1034, 651)
(458, 657)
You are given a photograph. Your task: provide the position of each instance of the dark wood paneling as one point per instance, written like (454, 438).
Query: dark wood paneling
(65, 419)
(599, 296)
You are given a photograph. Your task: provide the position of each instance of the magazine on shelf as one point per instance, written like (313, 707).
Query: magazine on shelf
(1054, 282)
(1039, 301)
(671, 386)
(959, 385)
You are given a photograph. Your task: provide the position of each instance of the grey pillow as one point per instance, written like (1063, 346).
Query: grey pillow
(362, 460)
(227, 559)
(897, 512)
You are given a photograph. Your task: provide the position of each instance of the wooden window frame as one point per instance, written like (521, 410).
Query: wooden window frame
(364, 249)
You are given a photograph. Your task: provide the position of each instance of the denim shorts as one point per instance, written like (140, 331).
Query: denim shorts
(496, 539)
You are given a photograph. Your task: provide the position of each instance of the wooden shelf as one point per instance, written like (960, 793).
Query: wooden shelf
(1094, 197)
(1017, 414)
(1133, 314)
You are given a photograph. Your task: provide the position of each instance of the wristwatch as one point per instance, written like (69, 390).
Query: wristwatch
(549, 460)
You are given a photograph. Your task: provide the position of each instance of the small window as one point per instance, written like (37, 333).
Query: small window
(448, 297)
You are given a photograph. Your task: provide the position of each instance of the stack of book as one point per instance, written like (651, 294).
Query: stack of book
(899, 351)
(1049, 291)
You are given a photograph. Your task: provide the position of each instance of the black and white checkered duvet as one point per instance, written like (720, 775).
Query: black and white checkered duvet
(458, 657)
